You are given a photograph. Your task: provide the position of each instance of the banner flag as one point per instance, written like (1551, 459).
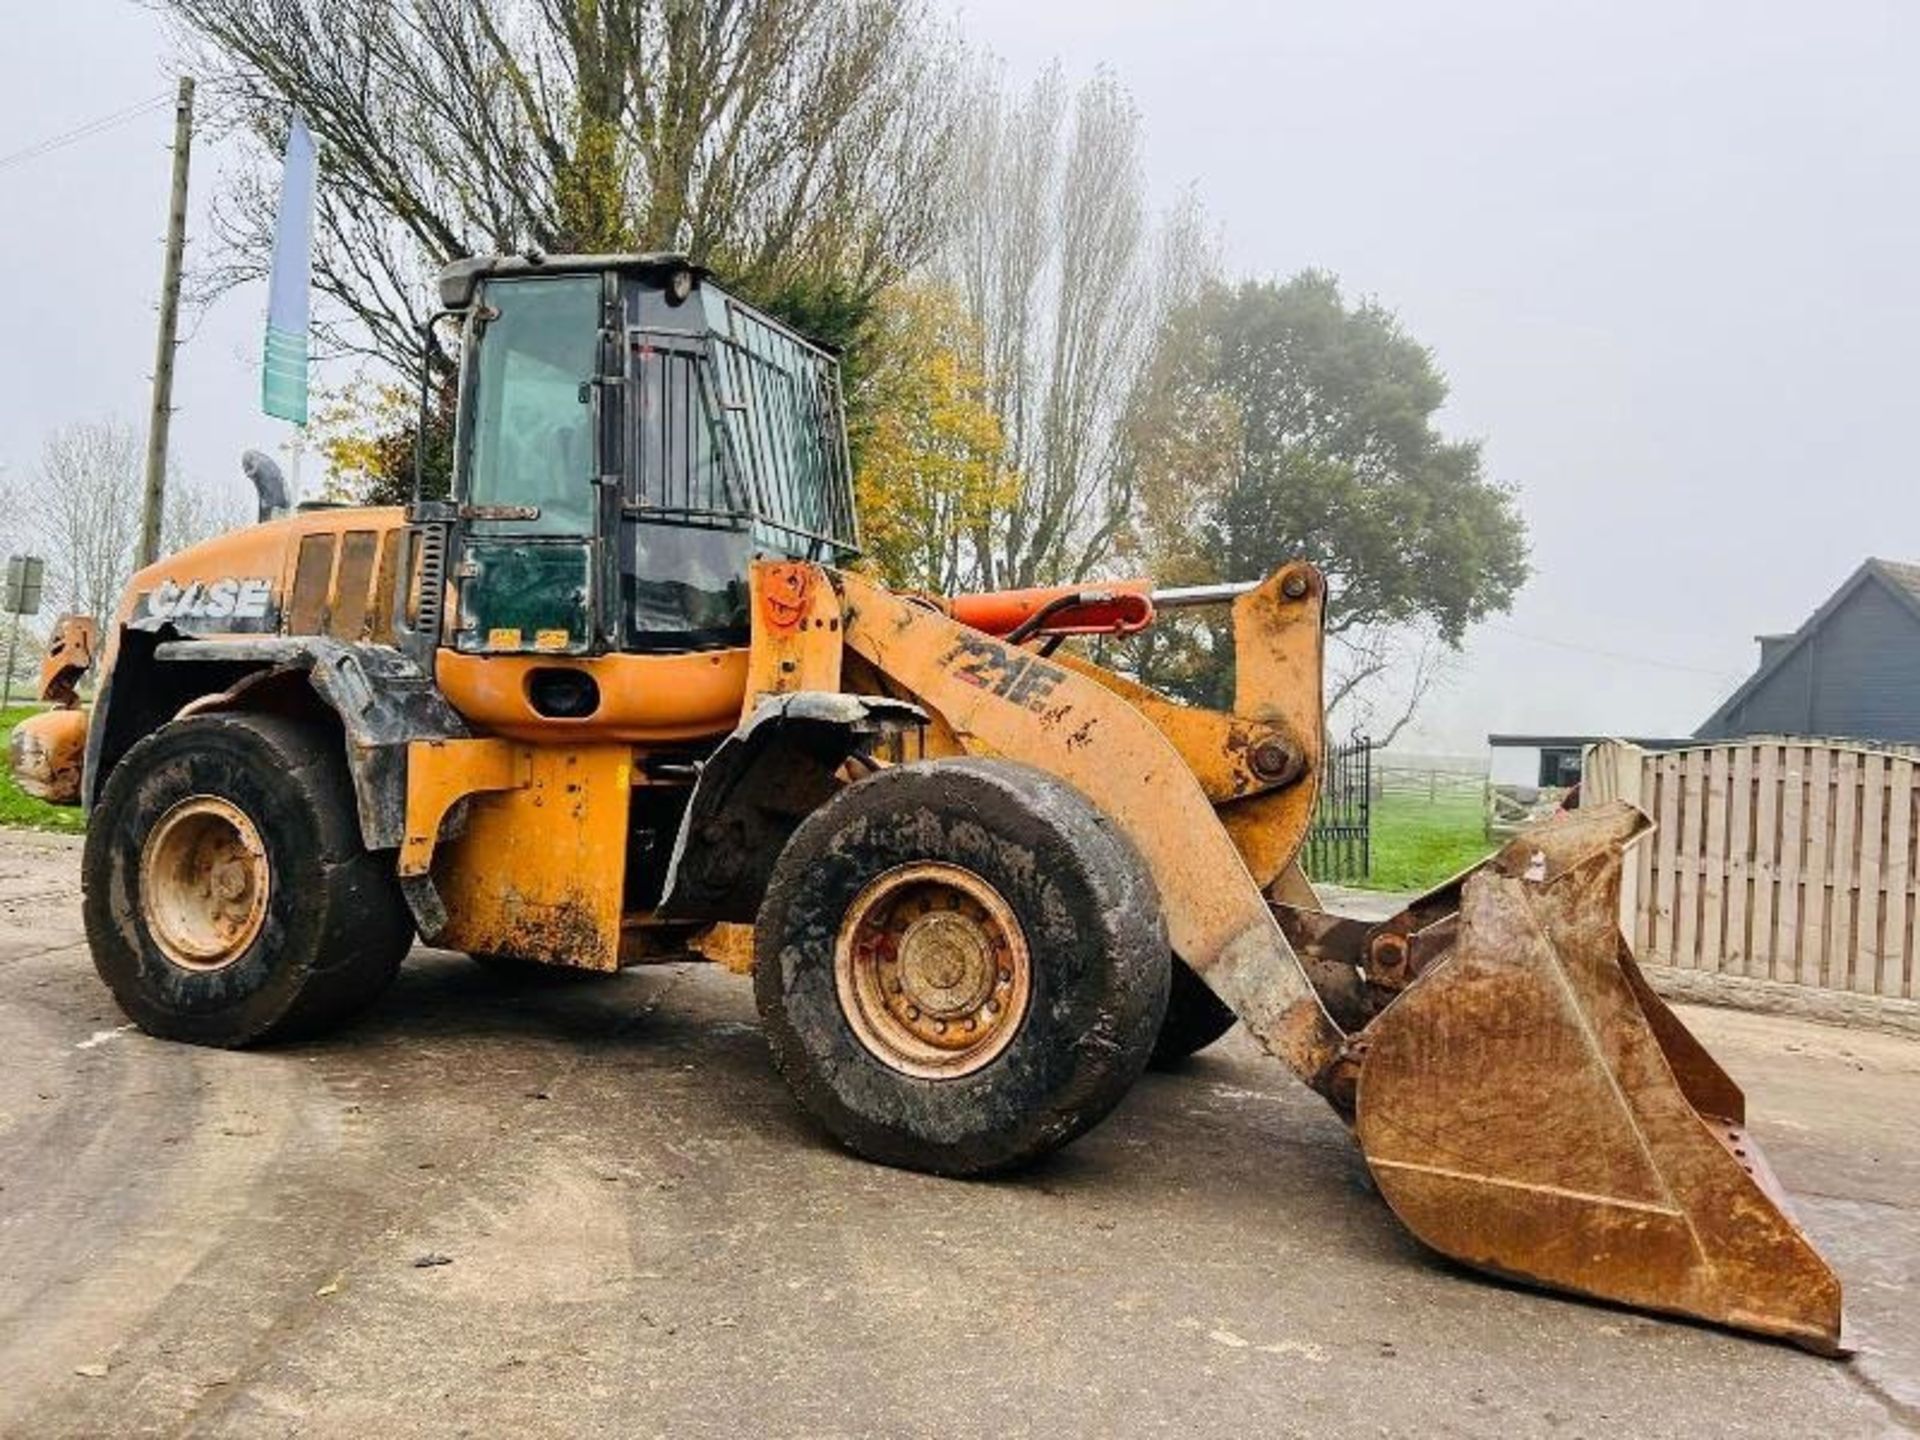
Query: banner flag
(283, 383)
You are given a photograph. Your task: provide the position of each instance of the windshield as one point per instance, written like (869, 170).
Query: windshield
(532, 439)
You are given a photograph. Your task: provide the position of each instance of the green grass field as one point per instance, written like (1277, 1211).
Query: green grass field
(1417, 843)
(17, 808)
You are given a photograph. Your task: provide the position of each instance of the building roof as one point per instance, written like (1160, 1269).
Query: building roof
(1902, 580)
(1906, 576)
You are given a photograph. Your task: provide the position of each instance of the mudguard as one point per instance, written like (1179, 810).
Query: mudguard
(765, 778)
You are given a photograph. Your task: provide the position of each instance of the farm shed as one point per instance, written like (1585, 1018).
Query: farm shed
(1852, 670)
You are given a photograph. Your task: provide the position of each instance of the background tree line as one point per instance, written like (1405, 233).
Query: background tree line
(1047, 379)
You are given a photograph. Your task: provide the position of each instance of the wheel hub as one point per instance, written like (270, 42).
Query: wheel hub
(947, 964)
(932, 970)
(204, 880)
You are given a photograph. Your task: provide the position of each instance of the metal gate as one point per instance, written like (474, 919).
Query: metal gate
(1340, 840)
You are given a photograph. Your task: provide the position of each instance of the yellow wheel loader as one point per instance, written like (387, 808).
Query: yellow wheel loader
(621, 696)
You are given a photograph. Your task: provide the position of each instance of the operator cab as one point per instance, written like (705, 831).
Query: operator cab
(630, 439)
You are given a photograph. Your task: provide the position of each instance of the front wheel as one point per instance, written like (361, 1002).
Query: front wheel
(960, 965)
(227, 896)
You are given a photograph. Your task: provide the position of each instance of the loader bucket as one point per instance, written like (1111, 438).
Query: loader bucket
(1529, 1107)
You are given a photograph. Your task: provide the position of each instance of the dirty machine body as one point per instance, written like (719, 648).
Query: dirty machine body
(623, 695)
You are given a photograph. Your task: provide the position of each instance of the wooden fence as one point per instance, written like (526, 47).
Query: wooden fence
(1783, 860)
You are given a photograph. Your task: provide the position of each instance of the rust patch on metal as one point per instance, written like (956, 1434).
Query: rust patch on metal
(561, 931)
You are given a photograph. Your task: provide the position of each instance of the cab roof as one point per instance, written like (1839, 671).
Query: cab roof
(457, 280)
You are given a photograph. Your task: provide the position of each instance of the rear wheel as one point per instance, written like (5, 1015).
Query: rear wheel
(961, 965)
(227, 897)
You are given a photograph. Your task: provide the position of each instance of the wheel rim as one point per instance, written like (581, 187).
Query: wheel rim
(203, 883)
(933, 971)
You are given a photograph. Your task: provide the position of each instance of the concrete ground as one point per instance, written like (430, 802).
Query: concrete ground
(642, 1236)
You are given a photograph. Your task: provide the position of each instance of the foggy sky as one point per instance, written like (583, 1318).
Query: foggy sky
(1665, 253)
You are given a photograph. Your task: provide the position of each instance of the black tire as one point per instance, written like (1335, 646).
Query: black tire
(1090, 918)
(334, 927)
(1196, 1017)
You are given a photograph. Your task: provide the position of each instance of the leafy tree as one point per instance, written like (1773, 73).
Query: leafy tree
(1277, 420)
(366, 433)
(930, 469)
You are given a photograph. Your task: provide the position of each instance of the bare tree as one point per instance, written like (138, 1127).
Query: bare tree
(80, 509)
(1378, 676)
(22, 650)
(1055, 251)
(789, 143)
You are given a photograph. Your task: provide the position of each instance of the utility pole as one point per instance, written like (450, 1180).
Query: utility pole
(162, 416)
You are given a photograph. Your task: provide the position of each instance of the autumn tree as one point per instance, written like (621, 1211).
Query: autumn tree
(1278, 421)
(930, 472)
(797, 146)
(366, 433)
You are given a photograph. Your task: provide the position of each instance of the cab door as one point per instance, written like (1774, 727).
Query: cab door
(529, 572)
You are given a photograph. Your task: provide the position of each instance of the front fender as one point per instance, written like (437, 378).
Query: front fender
(765, 778)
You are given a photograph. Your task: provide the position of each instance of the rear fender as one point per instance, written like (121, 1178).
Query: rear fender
(381, 699)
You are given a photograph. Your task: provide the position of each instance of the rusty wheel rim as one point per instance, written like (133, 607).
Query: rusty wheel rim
(204, 880)
(933, 971)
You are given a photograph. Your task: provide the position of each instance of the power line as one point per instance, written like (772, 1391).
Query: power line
(81, 132)
(1576, 646)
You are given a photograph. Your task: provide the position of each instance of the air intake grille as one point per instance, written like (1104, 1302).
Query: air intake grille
(433, 580)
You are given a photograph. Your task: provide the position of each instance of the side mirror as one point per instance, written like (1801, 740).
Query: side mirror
(269, 484)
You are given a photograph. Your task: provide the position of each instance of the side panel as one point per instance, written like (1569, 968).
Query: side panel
(538, 872)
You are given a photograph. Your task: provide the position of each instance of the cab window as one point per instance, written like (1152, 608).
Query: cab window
(532, 439)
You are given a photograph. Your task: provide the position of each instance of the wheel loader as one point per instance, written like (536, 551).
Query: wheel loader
(627, 696)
